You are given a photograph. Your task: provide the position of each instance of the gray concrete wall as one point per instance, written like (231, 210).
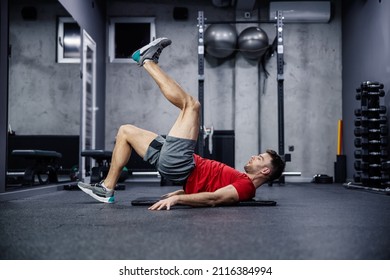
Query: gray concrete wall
(366, 57)
(312, 96)
(44, 96)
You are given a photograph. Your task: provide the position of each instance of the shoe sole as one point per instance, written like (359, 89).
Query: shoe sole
(98, 198)
(140, 52)
(155, 43)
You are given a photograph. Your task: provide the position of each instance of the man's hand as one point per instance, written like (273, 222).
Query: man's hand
(165, 203)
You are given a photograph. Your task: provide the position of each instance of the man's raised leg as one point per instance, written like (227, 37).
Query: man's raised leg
(187, 124)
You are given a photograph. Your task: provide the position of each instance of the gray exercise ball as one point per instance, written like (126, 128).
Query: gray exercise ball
(253, 42)
(220, 40)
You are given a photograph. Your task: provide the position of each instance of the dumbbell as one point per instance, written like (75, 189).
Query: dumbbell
(364, 121)
(369, 94)
(365, 155)
(364, 142)
(380, 109)
(365, 166)
(365, 178)
(364, 131)
(371, 85)
(364, 111)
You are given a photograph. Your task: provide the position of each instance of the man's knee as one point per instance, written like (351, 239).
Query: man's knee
(194, 105)
(125, 130)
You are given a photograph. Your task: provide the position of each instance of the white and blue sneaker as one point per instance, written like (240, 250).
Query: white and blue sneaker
(151, 51)
(98, 192)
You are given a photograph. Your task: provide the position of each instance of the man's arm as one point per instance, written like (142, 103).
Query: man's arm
(225, 195)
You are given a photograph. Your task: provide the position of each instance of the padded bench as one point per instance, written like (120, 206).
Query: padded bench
(43, 163)
(103, 160)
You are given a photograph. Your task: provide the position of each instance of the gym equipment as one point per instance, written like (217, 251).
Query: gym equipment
(220, 40)
(277, 46)
(365, 166)
(364, 111)
(365, 178)
(322, 179)
(367, 155)
(340, 166)
(365, 93)
(148, 201)
(364, 142)
(45, 163)
(253, 42)
(371, 130)
(360, 131)
(359, 186)
(103, 159)
(364, 121)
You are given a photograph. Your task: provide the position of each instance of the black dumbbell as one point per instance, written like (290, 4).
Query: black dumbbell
(364, 121)
(371, 85)
(380, 110)
(364, 131)
(364, 142)
(365, 155)
(369, 94)
(365, 166)
(365, 178)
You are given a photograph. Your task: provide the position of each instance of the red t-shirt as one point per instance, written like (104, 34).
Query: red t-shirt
(209, 176)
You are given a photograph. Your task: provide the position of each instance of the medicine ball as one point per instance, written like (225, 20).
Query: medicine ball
(253, 42)
(220, 40)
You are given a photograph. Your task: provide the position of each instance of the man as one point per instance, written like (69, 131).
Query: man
(206, 182)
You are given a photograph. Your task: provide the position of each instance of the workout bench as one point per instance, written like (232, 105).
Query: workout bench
(44, 163)
(103, 160)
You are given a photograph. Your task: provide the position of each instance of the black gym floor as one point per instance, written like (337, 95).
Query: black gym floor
(310, 221)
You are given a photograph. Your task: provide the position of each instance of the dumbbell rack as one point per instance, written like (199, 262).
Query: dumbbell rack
(371, 131)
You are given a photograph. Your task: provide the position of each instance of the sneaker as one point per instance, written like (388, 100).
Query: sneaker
(98, 192)
(151, 51)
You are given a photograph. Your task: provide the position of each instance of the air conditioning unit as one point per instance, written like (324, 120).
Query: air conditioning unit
(302, 11)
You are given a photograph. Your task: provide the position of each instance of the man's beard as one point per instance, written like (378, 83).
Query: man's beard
(248, 169)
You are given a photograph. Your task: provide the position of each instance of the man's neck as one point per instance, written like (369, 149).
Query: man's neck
(256, 179)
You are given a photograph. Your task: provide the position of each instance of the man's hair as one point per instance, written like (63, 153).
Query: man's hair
(278, 165)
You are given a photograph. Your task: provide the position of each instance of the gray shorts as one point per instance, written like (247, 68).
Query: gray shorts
(172, 156)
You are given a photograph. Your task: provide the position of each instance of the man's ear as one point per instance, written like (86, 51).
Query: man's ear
(265, 171)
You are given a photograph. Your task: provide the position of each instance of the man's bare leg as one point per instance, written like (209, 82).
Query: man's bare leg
(187, 124)
(128, 138)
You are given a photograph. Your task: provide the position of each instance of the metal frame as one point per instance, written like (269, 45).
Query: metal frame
(201, 29)
(88, 105)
